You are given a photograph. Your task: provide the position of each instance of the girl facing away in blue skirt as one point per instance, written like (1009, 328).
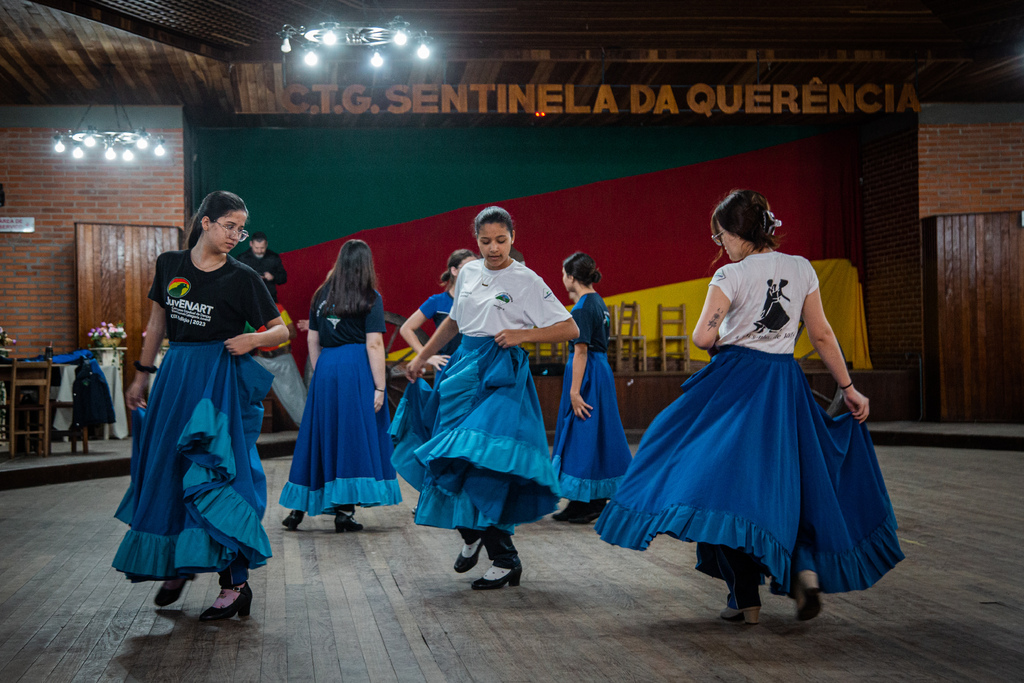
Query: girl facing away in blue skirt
(436, 309)
(475, 445)
(590, 452)
(198, 492)
(343, 451)
(745, 463)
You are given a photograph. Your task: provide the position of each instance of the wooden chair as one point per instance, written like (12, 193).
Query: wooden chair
(73, 432)
(547, 352)
(630, 342)
(672, 333)
(28, 406)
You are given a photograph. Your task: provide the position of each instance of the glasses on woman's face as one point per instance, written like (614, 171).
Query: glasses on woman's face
(717, 237)
(236, 230)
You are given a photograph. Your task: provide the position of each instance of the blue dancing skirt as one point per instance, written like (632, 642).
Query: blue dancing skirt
(475, 446)
(343, 451)
(197, 491)
(745, 458)
(590, 455)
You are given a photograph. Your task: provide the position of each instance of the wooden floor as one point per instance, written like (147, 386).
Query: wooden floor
(384, 604)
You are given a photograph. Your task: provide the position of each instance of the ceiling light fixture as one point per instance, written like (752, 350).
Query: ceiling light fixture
(321, 38)
(123, 137)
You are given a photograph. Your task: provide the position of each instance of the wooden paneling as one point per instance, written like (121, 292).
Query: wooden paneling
(114, 267)
(974, 317)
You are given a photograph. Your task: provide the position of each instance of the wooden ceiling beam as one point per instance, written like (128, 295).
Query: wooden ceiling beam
(144, 29)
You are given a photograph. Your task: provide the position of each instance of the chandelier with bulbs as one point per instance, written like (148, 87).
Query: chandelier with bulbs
(122, 143)
(328, 35)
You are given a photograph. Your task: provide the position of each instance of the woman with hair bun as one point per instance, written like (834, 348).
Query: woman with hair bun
(745, 463)
(590, 452)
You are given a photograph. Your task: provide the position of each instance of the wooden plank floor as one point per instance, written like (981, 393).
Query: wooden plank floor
(384, 604)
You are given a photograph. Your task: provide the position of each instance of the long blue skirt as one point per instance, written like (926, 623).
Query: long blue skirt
(343, 451)
(475, 446)
(590, 455)
(745, 458)
(197, 491)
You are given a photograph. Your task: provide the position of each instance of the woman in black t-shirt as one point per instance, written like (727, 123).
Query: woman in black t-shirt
(197, 491)
(343, 452)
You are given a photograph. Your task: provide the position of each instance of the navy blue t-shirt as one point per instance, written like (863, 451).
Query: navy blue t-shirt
(436, 308)
(337, 331)
(591, 316)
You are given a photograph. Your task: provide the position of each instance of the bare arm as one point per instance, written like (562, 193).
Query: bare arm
(716, 305)
(444, 334)
(313, 344)
(156, 328)
(275, 335)
(824, 341)
(561, 331)
(375, 354)
(408, 332)
(292, 332)
(579, 366)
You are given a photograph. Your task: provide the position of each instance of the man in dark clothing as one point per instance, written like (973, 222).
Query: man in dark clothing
(265, 262)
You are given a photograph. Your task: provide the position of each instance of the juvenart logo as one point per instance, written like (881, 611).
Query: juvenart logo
(179, 287)
(504, 298)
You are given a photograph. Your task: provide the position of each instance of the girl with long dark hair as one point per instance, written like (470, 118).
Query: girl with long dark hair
(343, 452)
(478, 439)
(745, 463)
(590, 449)
(198, 492)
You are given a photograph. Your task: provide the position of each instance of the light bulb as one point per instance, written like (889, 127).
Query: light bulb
(423, 52)
(77, 152)
(377, 60)
(401, 38)
(330, 38)
(110, 154)
(159, 150)
(286, 46)
(143, 143)
(127, 156)
(89, 141)
(59, 147)
(311, 58)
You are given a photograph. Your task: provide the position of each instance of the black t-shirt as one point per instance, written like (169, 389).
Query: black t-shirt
(214, 306)
(591, 316)
(338, 331)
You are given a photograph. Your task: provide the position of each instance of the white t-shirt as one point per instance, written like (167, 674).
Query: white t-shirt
(513, 298)
(767, 292)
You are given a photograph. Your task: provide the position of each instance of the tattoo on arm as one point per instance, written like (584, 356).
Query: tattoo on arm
(715, 319)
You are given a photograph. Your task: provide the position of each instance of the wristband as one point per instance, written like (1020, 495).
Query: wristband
(380, 390)
(847, 386)
(144, 368)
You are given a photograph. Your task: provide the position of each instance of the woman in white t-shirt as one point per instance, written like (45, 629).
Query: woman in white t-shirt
(476, 446)
(745, 463)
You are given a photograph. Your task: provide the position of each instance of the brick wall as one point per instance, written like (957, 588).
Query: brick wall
(977, 168)
(37, 288)
(892, 250)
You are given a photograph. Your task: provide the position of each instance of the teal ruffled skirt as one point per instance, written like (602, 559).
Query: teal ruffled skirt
(198, 492)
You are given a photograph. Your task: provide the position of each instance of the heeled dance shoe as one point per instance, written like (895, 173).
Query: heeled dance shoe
(748, 615)
(241, 605)
(294, 519)
(512, 579)
(346, 521)
(170, 594)
(574, 509)
(807, 595)
(463, 564)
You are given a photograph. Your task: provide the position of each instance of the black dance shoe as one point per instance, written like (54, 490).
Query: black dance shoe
(590, 513)
(807, 594)
(512, 579)
(346, 521)
(463, 564)
(241, 606)
(293, 520)
(575, 508)
(166, 596)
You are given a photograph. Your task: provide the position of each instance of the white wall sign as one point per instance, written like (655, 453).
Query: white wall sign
(17, 224)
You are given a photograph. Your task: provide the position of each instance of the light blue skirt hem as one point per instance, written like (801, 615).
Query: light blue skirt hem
(363, 492)
(584, 490)
(439, 508)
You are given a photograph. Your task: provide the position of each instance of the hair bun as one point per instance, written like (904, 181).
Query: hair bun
(596, 277)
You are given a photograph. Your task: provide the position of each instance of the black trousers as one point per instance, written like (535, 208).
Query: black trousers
(499, 545)
(741, 573)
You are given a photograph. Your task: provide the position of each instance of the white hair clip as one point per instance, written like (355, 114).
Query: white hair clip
(771, 222)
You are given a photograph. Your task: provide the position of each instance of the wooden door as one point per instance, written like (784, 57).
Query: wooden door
(115, 265)
(974, 317)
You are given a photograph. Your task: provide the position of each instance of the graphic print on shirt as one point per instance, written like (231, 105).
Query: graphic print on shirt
(183, 310)
(179, 287)
(773, 315)
(504, 297)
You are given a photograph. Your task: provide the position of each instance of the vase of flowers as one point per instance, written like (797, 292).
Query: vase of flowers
(106, 340)
(7, 342)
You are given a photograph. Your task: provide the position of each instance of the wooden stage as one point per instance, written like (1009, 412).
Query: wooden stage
(384, 604)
